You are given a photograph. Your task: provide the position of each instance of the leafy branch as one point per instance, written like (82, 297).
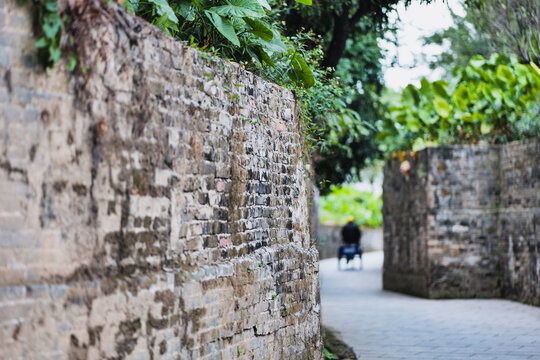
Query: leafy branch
(241, 30)
(50, 28)
(493, 100)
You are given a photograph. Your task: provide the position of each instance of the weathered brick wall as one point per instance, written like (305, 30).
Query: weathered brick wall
(405, 226)
(481, 208)
(462, 243)
(155, 207)
(519, 224)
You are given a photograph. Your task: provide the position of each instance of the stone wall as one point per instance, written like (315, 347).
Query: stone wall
(519, 225)
(405, 227)
(463, 222)
(154, 206)
(329, 240)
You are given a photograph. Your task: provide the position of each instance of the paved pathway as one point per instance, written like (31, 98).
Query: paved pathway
(384, 325)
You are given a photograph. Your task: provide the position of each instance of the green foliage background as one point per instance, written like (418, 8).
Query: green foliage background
(493, 100)
(345, 201)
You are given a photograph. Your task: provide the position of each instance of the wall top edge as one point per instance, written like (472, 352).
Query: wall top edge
(147, 31)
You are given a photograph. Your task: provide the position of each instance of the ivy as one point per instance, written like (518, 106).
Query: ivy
(50, 29)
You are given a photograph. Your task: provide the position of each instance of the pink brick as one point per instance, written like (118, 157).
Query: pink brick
(221, 186)
(224, 242)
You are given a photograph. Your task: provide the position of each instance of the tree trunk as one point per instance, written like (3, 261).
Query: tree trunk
(340, 34)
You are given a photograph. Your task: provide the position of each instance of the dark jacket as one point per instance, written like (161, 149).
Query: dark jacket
(351, 234)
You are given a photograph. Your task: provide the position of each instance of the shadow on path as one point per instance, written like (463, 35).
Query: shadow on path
(384, 325)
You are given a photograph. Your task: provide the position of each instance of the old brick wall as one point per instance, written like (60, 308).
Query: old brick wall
(463, 194)
(481, 208)
(405, 226)
(154, 207)
(519, 224)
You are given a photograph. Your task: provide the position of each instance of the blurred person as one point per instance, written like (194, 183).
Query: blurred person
(350, 235)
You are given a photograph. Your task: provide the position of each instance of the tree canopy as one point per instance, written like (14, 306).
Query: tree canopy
(337, 21)
(513, 25)
(510, 27)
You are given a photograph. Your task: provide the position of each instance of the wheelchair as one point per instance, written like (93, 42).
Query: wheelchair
(350, 252)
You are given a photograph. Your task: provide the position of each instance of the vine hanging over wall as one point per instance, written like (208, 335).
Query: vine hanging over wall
(240, 30)
(49, 30)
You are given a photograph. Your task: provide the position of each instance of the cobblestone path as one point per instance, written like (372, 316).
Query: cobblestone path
(384, 325)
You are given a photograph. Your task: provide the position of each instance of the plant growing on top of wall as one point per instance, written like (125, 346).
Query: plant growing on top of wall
(250, 33)
(240, 30)
(247, 31)
(493, 100)
(49, 31)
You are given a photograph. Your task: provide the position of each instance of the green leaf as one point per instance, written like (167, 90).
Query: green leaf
(161, 22)
(264, 57)
(264, 4)
(413, 123)
(426, 116)
(276, 45)
(522, 73)
(426, 88)
(129, 6)
(477, 117)
(301, 71)
(51, 6)
(328, 354)
(240, 8)
(410, 96)
(54, 53)
(440, 88)
(224, 26)
(535, 67)
(477, 61)
(503, 72)
(163, 8)
(442, 107)
(52, 26)
(419, 144)
(72, 62)
(185, 9)
(486, 76)
(41, 43)
(305, 2)
(461, 97)
(259, 29)
(485, 127)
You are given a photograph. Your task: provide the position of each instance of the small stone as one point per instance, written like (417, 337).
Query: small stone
(221, 186)
(225, 242)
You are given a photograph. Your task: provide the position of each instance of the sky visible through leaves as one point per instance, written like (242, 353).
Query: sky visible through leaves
(416, 21)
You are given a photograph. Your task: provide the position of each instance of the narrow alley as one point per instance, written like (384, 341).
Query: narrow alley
(385, 325)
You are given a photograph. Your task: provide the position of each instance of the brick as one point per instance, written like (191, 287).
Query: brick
(130, 211)
(466, 222)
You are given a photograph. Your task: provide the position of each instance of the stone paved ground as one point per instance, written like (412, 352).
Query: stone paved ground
(384, 325)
